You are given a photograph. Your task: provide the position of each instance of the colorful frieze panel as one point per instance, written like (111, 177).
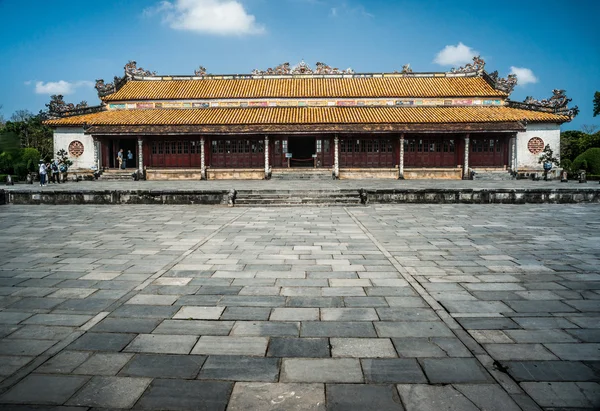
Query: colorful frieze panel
(130, 105)
(258, 104)
(117, 106)
(144, 105)
(287, 103)
(172, 105)
(463, 102)
(186, 105)
(200, 105)
(447, 102)
(317, 103)
(477, 102)
(229, 104)
(404, 102)
(346, 103)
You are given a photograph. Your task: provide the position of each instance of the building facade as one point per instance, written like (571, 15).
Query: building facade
(397, 125)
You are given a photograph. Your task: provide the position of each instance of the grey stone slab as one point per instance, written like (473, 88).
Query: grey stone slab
(321, 370)
(68, 320)
(540, 336)
(277, 397)
(34, 303)
(194, 327)
(421, 397)
(41, 332)
(487, 323)
(266, 328)
(348, 397)
(519, 352)
(186, 395)
(163, 366)
(16, 346)
(91, 305)
(431, 347)
(362, 347)
(548, 306)
(365, 302)
(592, 335)
(390, 292)
(488, 397)
(294, 314)
(349, 314)
(299, 347)
(392, 370)
(246, 313)
(7, 317)
(216, 345)
(124, 325)
(200, 300)
(252, 301)
(319, 302)
(110, 392)
(103, 364)
(550, 371)
(407, 314)
(44, 389)
(10, 364)
(454, 370)
(102, 342)
(337, 329)
(576, 352)
(144, 311)
(564, 394)
(219, 290)
(240, 368)
(162, 344)
(456, 306)
(412, 329)
(64, 362)
(543, 322)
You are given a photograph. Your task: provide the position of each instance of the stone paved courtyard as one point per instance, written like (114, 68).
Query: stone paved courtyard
(405, 307)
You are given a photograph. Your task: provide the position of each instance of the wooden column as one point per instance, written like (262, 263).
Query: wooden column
(513, 154)
(202, 159)
(336, 157)
(141, 155)
(466, 175)
(401, 159)
(267, 157)
(96, 153)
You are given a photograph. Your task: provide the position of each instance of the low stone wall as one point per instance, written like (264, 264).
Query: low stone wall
(209, 197)
(235, 174)
(433, 173)
(158, 174)
(362, 173)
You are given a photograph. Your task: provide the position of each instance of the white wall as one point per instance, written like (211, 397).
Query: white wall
(63, 136)
(549, 132)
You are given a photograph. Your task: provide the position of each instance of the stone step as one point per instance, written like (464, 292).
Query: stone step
(117, 175)
(493, 175)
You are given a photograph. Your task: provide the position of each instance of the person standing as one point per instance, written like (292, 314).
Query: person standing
(120, 158)
(55, 171)
(43, 172)
(130, 159)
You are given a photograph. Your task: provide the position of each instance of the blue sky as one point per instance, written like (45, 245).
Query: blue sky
(48, 47)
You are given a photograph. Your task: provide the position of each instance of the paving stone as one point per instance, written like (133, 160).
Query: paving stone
(362, 347)
(550, 371)
(162, 344)
(44, 389)
(347, 397)
(299, 347)
(295, 314)
(321, 370)
(123, 325)
(488, 397)
(490, 336)
(72, 293)
(252, 301)
(454, 370)
(152, 299)
(33, 303)
(266, 328)
(15, 346)
(102, 342)
(246, 313)
(277, 397)
(488, 323)
(10, 364)
(392, 370)
(64, 362)
(519, 352)
(586, 335)
(543, 322)
(144, 311)
(337, 329)
(186, 395)
(576, 352)
(239, 368)
(41, 332)
(323, 302)
(407, 314)
(365, 302)
(540, 336)
(68, 320)
(564, 394)
(213, 345)
(349, 314)
(540, 306)
(110, 392)
(430, 347)
(420, 397)
(194, 327)
(199, 313)
(164, 366)
(412, 329)
(87, 305)
(13, 317)
(456, 306)
(103, 364)
(219, 290)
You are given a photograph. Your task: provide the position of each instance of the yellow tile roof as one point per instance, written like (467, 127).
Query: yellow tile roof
(309, 115)
(305, 88)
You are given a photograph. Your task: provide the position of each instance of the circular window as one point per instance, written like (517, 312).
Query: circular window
(535, 145)
(76, 148)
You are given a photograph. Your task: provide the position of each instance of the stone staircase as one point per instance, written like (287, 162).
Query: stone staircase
(301, 174)
(492, 175)
(266, 198)
(117, 174)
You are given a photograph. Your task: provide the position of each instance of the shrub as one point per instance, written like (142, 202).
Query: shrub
(20, 169)
(588, 161)
(6, 163)
(31, 158)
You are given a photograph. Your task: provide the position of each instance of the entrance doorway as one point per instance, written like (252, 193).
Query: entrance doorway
(127, 145)
(302, 150)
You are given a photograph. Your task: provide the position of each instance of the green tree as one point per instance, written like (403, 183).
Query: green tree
(596, 103)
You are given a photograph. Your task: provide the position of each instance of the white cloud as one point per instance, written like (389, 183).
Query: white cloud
(59, 87)
(455, 55)
(344, 9)
(524, 75)
(220, 17)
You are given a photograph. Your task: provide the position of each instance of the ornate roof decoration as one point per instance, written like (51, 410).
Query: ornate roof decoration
(131, 70)
(476, 67)
(108, 88)
(406, 69)
(557, 104)
(301, 68)
(58, 108)
(200, 71)
(506, 85)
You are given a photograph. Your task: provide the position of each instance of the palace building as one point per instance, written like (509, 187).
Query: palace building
(351, 125)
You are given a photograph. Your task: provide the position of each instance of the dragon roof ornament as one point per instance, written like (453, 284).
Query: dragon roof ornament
(301, 68)
(131, 70)
(58, 108)
(506, 85)
(557, 104)
(200, 71)
(476, 67)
